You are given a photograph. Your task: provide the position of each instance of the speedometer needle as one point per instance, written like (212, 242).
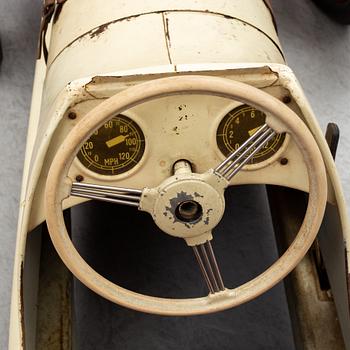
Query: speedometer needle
(253, 131)
(116, 140)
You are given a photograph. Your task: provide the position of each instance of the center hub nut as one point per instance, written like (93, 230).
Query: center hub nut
(186, 206)
(189, 211)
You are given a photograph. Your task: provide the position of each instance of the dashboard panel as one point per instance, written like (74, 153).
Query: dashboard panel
(167, 130)
(139, 147)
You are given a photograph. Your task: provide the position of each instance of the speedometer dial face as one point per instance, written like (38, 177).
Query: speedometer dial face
(240, 124)
(114, 148)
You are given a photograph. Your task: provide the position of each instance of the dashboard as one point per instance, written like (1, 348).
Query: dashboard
(139, 147)
(118, 146)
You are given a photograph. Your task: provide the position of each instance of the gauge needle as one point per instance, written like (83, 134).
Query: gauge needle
(253, 131)
(116, 140)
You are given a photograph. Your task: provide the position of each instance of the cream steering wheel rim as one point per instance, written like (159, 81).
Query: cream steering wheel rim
(58, 188)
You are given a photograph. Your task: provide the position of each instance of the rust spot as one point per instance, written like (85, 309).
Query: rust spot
(98, 31)
(181, 109)
(176, 130)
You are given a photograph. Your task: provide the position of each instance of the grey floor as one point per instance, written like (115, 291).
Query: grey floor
(148, 261)
(317, 49)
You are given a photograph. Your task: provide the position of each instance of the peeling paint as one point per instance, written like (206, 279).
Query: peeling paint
(196, 194)
(206, 220)
(185, 117)
(98, 31)
(174, 202)
(166, 27)
(176, 130)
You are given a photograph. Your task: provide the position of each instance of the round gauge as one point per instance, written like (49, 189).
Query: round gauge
(240, 124)
(114, 148)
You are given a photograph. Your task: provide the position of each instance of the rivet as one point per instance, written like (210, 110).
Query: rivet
(286, 99)
(72, 115)
(284, 161)
(79, 178)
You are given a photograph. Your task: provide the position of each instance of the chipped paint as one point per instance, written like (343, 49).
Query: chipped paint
(166, 28)
(174, 202)
(98, 31)
(206, 220)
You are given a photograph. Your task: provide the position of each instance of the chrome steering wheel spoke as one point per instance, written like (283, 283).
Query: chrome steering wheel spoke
(111, 194)
(209, 267)
(236, 160)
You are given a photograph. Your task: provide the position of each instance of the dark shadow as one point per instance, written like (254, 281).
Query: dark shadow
(125, 246)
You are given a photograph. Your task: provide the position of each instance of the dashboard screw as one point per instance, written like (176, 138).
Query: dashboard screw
(286, 99)
(72, 115)
(284, 161)
(79, 178)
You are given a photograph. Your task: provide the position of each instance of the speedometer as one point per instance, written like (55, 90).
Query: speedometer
(114, 148)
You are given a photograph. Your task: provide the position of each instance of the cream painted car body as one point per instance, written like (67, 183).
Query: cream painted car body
(86, 65)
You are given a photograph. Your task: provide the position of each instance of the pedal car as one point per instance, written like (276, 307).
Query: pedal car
(175, 168)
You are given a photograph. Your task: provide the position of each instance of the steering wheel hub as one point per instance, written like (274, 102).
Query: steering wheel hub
(189, 211)
(186, 206)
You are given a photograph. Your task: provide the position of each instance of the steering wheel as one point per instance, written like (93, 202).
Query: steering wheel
(186, 205)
